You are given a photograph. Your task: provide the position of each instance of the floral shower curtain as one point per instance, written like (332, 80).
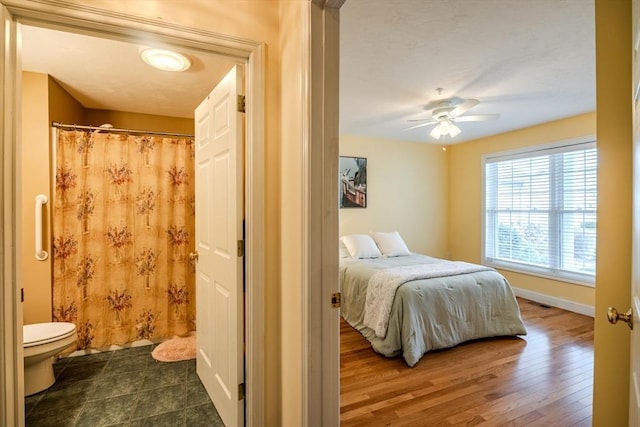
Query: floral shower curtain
(123, 226)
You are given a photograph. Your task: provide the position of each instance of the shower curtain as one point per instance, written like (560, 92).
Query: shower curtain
(123, 226)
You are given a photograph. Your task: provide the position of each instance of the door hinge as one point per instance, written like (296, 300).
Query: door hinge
(336, 299)
(241, 391)
(240, 248)
(21, 294)
(241, 104)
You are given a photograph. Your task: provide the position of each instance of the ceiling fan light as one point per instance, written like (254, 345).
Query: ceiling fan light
(454, 130)
(435, 132)
(445, 126)
(165, 60)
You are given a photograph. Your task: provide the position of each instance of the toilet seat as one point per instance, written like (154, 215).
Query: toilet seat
(44, 333)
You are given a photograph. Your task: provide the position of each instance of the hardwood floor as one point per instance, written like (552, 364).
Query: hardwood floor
(542, 379)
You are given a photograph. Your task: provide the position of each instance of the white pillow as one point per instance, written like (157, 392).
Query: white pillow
(344, 252)
(361, 246)
(391, 244)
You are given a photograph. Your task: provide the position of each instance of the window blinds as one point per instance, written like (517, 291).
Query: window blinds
(540, 211)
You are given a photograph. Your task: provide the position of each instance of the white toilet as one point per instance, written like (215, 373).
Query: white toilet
(42, 342)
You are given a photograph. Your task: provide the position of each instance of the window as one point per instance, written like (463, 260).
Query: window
(540, 210)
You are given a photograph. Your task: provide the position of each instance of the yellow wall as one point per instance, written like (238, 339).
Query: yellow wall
(63, 108)
(613, 267)
(43, 101)
(465, 226)
(407, 191)
(137, 121)
(36, 275)
(291, 14)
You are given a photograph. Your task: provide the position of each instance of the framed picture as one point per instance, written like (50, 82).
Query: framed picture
(352, 183)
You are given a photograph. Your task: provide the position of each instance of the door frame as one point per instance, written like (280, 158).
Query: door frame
(320, 153)
(94, 21)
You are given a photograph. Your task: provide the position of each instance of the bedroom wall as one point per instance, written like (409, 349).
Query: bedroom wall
(465, 221)
(407, 191)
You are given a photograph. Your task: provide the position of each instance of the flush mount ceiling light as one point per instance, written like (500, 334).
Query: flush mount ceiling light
(165, 60)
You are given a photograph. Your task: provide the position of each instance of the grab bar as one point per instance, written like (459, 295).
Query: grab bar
(41, 200)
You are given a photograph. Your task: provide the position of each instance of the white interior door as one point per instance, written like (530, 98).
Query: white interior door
(634, 371)
(219, 235)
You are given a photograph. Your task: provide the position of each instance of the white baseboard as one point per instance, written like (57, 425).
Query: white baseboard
(564, 304)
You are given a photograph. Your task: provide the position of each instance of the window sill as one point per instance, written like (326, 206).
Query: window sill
(532, 272)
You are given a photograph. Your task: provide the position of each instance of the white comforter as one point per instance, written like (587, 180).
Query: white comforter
(383, 285)
(429, 313)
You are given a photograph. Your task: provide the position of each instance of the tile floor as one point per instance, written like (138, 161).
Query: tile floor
(122, 388)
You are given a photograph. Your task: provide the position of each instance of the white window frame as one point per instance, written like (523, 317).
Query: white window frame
(587, 142)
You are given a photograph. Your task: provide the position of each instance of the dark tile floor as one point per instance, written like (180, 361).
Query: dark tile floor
(122, 388)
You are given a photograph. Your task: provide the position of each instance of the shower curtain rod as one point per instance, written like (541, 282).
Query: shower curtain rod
(148, 132)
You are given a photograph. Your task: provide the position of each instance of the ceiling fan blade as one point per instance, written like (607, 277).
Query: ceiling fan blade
(421, 125)
(465, 106)
(477, 118)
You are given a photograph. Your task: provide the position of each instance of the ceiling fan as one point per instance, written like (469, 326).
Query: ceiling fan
(449, 111)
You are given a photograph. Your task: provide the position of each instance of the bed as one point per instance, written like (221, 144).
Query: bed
(410, 303)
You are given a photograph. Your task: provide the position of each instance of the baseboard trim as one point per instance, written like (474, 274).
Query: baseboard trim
(564, 304)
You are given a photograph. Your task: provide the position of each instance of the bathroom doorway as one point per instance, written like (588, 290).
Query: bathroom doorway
(121, 26)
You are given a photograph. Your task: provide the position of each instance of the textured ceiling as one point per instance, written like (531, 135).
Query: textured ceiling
(529, 61)
(109, 74)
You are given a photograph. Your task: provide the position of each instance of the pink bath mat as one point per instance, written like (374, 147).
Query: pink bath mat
(176, 349)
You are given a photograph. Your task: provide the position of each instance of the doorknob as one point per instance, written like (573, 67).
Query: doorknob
(614, 316)
(193, 257)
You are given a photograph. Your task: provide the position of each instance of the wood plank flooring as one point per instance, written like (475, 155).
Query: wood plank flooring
(542, 379)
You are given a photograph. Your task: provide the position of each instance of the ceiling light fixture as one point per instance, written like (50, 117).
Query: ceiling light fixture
(445, 127)
(165, 60)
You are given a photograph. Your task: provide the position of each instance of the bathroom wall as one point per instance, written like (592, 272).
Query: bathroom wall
(36, 275)
(44, 101)
(137, 121)
(63, 107)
